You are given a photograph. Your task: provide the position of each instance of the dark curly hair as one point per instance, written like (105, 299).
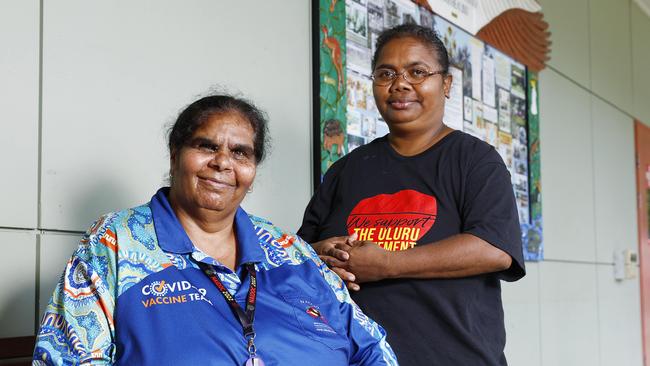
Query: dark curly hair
(197, 113)
(423, 34)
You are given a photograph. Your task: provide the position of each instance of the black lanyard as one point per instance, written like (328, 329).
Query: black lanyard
(247, 317)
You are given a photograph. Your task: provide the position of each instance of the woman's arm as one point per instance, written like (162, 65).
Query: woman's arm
(461, 255)
(77, 327)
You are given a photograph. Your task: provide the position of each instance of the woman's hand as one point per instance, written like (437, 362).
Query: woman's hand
(334, 252)
(354, 261)
(367, 261)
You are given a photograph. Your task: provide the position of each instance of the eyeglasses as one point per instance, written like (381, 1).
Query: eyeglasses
(413, 75)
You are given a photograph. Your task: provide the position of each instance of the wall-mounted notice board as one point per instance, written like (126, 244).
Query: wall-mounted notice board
(493, 97)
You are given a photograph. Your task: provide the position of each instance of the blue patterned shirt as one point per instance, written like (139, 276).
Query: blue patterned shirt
(133, 294)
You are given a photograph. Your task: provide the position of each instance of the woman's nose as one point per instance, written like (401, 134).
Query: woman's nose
(221, 160)
(400, 83)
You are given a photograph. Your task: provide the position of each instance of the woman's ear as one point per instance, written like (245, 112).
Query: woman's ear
(172, 164)
(446, 84)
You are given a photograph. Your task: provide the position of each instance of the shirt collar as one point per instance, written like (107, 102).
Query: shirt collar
(173, 238)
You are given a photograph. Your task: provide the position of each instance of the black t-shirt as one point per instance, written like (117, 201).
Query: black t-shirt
(459, 185)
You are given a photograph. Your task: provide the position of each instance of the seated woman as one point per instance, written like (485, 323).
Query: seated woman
(191, 279)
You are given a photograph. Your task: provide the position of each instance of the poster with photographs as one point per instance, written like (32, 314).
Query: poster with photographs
(354, 123)
(502, 69)
(518, 80)
(355, 141)
(398, 12)
(494, 106)
(453, 116)
(359, 58)
(362, 111)
(491, 96)
(426, 19)
(517, 111)
(489, 84)
(468, 107)
(356, 21)
(504, 110)
(476, 48)
(375, 22)
(359, 88)
(490, 114)
(459, 48)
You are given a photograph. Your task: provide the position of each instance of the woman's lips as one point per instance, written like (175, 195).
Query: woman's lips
(401, 104)
(216, 183)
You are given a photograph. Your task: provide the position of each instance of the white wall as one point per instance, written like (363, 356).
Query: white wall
(569, 310)
(114, 75)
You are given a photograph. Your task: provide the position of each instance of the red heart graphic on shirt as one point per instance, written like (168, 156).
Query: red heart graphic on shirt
(393, 221)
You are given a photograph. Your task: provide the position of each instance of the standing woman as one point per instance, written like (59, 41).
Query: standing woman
(421, 222)
(189, 278)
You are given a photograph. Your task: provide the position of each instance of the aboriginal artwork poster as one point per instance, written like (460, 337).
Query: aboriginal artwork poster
(495, 98)
(332, 83)
(532, 231)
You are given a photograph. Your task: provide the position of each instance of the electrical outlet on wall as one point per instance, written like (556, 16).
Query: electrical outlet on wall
(625, 264)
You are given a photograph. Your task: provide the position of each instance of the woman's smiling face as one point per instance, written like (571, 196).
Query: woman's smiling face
(405, 106)
(217, 166)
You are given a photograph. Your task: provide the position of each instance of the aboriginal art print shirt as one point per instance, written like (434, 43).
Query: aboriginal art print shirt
(133, 294)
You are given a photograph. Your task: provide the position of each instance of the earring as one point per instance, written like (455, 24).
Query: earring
(250, 189)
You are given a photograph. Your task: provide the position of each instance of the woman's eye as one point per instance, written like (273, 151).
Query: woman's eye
(240, 154)
(207, 147)
(418, 72)
(384, 74)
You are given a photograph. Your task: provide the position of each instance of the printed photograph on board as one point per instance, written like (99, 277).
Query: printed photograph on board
(504, 111)
(358, 58)
(518, 84)
(489, 86)
(375, 22)
(459, 45)
(356, 22)
(355, 141)
(354, 122)
(453, 116)
(502, 70)
(359, 88)
(517, 111)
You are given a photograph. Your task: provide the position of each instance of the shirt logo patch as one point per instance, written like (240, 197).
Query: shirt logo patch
(167, 293)
(313, 312)
(157, 288)
(320, 322)
(393, 221)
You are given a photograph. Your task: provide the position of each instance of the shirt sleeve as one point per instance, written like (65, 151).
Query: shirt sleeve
(369, 346)
(320, 205)
(489, 211)
(77, 327)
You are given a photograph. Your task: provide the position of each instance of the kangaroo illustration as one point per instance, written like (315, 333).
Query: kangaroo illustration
(332, 5)
(333, 135)
(335, 55)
